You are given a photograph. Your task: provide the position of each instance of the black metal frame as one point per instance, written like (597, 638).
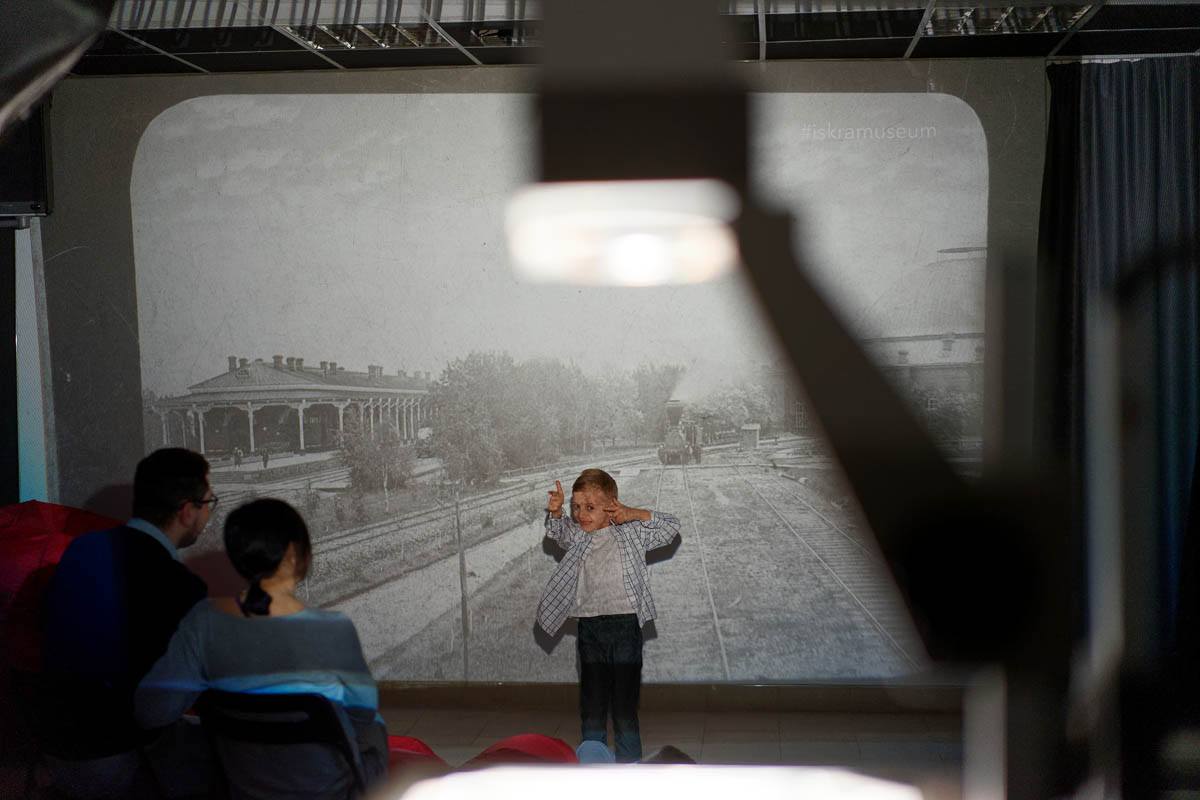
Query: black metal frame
(295, 36)
(279, 719)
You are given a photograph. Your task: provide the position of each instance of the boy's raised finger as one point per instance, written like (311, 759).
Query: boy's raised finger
(558, 487)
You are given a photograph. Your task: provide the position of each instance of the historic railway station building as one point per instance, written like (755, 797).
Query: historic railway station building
(928, 327)
(924, 332)
(286, 406)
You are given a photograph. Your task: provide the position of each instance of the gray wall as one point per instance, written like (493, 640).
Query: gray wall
(88, 242)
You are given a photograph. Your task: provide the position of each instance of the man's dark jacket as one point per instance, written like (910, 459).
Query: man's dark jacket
(115, 599)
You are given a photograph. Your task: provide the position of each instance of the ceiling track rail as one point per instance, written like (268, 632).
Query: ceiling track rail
(433, 23)
(307, 45)
(158, 50)
(1079, 23)
(920, 28)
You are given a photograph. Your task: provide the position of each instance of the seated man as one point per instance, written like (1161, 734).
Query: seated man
(115, 599)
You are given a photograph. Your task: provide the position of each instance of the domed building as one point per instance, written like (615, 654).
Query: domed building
(926, 330)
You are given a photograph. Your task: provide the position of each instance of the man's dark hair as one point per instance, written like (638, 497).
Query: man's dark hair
(598, 479)
(165, 480)
(257, 536)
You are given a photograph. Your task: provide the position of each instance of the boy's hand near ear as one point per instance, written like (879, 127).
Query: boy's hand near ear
(554, 502)
(618, 513)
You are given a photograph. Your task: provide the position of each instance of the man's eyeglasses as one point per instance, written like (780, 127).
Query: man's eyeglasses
(211, 502)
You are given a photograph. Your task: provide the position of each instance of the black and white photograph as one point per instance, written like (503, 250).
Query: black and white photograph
(327, 311)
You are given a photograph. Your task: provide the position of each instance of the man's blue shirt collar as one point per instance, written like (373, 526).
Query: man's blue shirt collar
(139, 524)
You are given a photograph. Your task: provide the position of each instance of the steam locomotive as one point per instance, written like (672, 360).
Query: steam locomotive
(681, 444)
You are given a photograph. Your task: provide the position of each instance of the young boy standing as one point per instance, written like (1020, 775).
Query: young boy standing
(603, 581)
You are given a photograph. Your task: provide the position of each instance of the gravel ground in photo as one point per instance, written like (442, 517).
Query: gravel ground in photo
(773, 580)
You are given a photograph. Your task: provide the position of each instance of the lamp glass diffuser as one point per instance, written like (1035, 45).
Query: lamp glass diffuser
(623, 233)
(545, 782)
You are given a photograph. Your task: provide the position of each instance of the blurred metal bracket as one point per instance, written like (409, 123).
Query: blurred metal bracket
(40, 40)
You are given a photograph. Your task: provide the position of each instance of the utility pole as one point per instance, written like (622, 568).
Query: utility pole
(462, 579)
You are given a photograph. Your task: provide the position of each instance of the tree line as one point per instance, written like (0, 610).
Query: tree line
(495, 413)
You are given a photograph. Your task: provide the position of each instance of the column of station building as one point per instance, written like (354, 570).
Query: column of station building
(260, 397)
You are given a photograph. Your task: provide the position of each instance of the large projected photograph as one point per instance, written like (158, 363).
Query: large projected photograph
(326, 310)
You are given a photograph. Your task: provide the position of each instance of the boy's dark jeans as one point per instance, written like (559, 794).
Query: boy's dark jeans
(610, 678)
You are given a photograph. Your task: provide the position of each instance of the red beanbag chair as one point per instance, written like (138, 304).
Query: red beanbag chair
(404, 750)
(525, 748)
(33, 536)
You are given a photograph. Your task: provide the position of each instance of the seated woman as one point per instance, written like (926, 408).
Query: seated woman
(267, 641)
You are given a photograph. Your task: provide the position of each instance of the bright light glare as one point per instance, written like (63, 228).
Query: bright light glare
(639, 259)
(623, 233)
(655, 782)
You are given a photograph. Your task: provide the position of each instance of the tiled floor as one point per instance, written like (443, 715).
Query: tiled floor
(922, 749)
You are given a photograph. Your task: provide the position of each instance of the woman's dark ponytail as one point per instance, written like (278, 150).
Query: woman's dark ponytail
(257, 602)
(257, 537)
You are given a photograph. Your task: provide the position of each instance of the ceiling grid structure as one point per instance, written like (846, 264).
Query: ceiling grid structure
(149, 46)
(1082, 22)
(174, 36)
(433, 23)
(917, 35)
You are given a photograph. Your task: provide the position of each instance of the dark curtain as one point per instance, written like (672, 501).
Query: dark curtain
(1122, 182)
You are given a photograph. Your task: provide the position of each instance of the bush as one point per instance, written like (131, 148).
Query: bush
(376, 459)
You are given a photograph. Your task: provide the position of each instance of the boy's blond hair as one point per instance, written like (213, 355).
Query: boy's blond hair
(596, 479)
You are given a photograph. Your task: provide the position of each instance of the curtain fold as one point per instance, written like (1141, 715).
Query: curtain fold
(1122, 181)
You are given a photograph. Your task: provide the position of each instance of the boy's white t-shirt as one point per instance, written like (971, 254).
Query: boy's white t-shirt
(601, 586)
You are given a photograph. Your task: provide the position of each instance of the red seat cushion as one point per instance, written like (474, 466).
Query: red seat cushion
(408, 750)
(526, 748)
(33, 536)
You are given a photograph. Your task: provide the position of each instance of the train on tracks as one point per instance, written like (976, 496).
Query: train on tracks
(682, 441)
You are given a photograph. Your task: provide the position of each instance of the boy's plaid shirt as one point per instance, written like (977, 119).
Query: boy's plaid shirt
(634, 538)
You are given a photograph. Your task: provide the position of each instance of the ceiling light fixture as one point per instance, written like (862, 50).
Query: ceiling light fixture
(642, 152)
(625, 233)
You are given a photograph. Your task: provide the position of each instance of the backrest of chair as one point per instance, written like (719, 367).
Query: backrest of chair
(281, 719)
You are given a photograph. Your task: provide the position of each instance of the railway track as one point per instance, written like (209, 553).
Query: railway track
(698, 534)
(234, 493)
(857, 570)
(427, 552)
(366, 533)
(706, 592)
(867, 552)
(233, 496)
(407, 527)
